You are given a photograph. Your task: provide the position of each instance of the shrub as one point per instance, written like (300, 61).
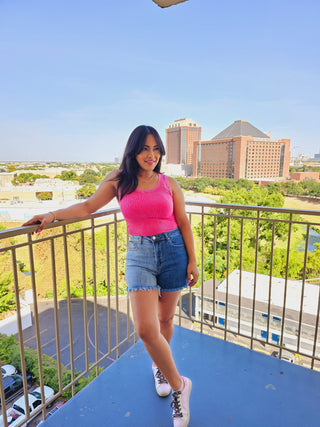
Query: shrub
(10, 354)
(44, 195)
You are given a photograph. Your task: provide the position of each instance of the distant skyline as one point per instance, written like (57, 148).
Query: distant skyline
(76, 77)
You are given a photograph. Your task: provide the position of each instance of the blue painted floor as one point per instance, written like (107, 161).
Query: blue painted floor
(232, 386)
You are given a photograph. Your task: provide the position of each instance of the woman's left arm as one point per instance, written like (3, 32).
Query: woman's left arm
(185, 229)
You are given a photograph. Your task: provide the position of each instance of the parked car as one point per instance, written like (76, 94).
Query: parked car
(53, 411)
(19, 410)
(13, 386)
(13, 418)
(286, 355)
(8, 370)
(34, 400)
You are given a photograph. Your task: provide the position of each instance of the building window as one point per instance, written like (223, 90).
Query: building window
(221, 321)
(264, 334)
(275, 338)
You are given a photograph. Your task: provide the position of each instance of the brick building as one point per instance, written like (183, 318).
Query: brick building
(242, 151)
(302, 176)
(180, 137)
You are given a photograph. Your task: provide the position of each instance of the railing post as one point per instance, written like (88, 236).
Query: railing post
(285, 286)
(56, 317)
(255, 278)
(116, 278)
(84, 305)
(240, 277)
(95, 309)
(66, 263)
(270, 281)
(37, 327)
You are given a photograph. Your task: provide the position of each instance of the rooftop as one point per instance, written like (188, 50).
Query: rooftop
(241, 128)
(183, 122)
(293, 294)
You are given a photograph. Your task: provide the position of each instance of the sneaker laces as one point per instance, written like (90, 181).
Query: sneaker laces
(176, 404)
(160, 378)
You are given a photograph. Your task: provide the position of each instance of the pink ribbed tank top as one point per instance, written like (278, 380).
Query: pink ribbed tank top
(149, 212)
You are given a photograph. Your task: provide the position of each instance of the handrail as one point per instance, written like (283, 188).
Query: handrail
(32, 228)
(232, 317)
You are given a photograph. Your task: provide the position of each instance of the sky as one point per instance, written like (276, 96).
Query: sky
(76, 76)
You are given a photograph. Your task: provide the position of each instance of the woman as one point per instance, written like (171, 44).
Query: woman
(160, 258)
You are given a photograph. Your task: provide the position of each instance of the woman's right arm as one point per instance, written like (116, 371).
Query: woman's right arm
(104, 194)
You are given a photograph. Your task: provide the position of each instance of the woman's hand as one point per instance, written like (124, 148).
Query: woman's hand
(193, 273)
(42, 219)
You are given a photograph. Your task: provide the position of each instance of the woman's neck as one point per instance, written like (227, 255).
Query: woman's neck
(146, 176)
(147, 181)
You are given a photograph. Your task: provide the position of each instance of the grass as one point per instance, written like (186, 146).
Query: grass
(312, 205)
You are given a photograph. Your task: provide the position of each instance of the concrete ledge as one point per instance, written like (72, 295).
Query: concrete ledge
(8, 326)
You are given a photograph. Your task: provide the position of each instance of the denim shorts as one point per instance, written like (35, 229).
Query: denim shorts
(157, 262)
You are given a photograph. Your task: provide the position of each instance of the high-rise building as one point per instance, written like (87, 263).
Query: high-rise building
(242, 151)
(180, 137)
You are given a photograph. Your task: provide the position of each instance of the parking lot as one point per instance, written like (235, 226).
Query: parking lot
(79, 328)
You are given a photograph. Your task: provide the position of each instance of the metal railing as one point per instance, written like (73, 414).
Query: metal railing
(85, 252)
(229, 303)
(72, 262)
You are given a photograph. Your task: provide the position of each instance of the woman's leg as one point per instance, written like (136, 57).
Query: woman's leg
(167, 307)
(146, 320)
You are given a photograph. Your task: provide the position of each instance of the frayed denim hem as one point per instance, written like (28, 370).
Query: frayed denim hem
(143, 288)
(175, 289)
(151, 288)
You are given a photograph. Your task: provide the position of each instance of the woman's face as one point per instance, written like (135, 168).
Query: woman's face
(150, 155)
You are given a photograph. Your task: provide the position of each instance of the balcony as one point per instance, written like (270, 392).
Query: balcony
(225, 333)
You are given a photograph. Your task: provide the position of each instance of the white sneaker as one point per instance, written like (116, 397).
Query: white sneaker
(180, 404)
(162, 386)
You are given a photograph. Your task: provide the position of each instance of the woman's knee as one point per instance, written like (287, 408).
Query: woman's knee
(147, 331)
(166, 322)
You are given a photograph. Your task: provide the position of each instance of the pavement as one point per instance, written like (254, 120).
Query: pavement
(80, 327)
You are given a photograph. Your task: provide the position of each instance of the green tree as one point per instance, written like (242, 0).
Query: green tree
(245, 183)
(27, 177)
(313, 263)
(22, 178)
(44, 195)
(89, 176)
(256, 196)
(274, 187)
(10, 354)
(86, 191)
(185, 183)
(224, 183)
(199, 184)
(289, 187)
(309, 188)
(106, 169)
(69, 176)
(7, 298)
(235, 234)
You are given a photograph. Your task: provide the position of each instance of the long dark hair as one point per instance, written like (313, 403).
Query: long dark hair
(129, 168)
